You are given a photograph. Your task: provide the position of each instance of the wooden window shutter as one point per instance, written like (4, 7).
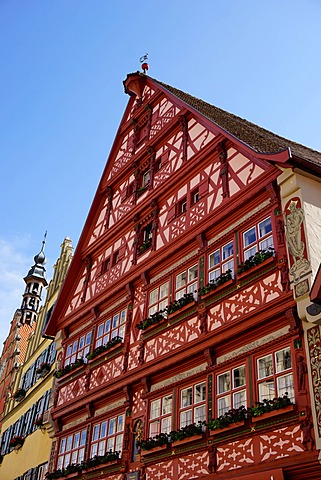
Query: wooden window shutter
(203, 188)
(122, 251)
(171, 213)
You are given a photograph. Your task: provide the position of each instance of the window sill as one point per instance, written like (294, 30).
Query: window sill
(273, 413)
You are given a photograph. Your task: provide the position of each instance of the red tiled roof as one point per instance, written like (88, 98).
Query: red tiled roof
(256, 137)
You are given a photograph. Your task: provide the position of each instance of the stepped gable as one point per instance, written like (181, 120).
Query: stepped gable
(256, 137)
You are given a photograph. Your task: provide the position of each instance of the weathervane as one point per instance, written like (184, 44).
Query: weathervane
(143, 61)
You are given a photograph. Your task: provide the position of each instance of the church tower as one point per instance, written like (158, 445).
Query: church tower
(35, 281)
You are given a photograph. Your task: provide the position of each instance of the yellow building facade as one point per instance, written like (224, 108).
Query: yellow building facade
(25, 432)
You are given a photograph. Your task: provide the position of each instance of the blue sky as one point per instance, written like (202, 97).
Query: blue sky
(62, 98)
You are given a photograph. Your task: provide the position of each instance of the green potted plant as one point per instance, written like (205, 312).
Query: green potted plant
(275, 405)
(104, 348)
(151, 443)
(43, 369)
(19, 394)
(213, 284)
(69, 368)
(232, 418)
(256, 259)
(192, 430)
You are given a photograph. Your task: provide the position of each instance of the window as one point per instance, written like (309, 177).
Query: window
(220, 261)
(186, 282)
(259, 237)
(111, 328)
(182, 206)
(274, 374)
(115, 257)
(72, 449)
(107, 436)
(193, 404)
(146, 237)
(145, 178)
(105, 266)
(78, 349)
(158, 299)
(160, 416)
(195, 196)
(231, 389)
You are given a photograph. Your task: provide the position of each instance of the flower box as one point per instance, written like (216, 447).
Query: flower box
(178, 443)
(273, 413)
(252, 270)
(181, 310)
(16, 442)
(154, 450)
(19, 395)
(218, 289)
(232, 426)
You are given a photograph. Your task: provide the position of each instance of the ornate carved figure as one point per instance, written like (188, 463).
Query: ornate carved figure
(141, 350)
(280, 232)
(222, 153)
(293, 223)
(202, 318)
(301, 370)
(306, 427)
(88, 263)
(127, 436)
(285, 281)
(212, 459)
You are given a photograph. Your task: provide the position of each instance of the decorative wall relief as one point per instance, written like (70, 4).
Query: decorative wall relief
(314, 346)
(296, 242)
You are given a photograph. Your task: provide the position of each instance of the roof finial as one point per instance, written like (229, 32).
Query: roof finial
(143, 61)
(44, 241)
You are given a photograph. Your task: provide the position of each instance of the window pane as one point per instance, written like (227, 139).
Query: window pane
(119, 443)
(154, 428)
(100, 330)
(283, 360)
(112, 426)
(81, 342)
(83, 437)
(166, 425)
(238, 376)
(265, 366)
(250, 252)
(214, 259)
(163, 291)
(266, 244)
(223, 382)
(192, 273)
(199, 414)
(186, 397)
(120, 423)
(185, 418)
(265, 227)
(167, 405)
(249, 237)
(76, 440)
(181, 280)
(110, 444)
(239, 399)
(107, 325)
(155, 409)
(227, 250)
(103, 430)
(266, 390)
(214, 274)
(285, 385)
(224, 405)
(153, 296)
(200, 392)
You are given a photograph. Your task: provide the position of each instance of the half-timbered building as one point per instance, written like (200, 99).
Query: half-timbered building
(185, 342)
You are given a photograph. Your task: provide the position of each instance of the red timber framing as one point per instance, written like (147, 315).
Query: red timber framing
(177, 309)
